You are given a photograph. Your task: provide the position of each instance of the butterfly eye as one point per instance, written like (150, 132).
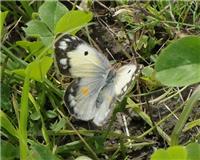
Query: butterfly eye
(86, 53)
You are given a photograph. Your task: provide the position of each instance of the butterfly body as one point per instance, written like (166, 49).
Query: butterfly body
(97, 84)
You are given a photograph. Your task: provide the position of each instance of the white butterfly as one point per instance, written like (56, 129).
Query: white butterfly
(97, 84)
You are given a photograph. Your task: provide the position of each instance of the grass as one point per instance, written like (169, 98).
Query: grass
(23, 120)
(35, 118)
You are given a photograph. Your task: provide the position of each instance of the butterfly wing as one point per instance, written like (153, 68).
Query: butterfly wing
(89, 67)
(76, 57)
(112, 91)
(124, 76)
(91, 95)
(105, 101)
(80, 97)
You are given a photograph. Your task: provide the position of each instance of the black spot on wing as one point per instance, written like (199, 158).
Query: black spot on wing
(86, 53)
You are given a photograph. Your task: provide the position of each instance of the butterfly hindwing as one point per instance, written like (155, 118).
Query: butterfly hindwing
(80, 97)
(114, 90)
(106, 99)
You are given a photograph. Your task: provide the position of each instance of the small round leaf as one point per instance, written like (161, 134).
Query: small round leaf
(179, 63)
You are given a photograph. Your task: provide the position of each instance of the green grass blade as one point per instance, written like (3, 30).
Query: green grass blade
(147, 119)
(191, 125)
(27, 7)
(44, 130)
(23, 120)
(6, 124)
(184, 116)
(93, 154)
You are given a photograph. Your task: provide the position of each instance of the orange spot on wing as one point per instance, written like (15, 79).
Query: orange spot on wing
(85, 91)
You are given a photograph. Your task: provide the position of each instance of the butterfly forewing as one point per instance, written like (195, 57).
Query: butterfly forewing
(124, 76)
(76, 57)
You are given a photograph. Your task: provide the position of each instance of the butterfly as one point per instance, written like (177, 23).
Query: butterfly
(97, 84)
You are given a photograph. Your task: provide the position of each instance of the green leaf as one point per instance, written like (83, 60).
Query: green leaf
(179, 63)
(193, 150)
(3, 17)
(39, 29)
(9, 151)
(31, 47)
(20, 72)
(160, 154)
(39, 68)
(177, 152)
(148, 71)
(6, 124)
(142, 42)
(172, 153)
(41, 152)
(190, 152)
(50, 12)
(148, 77)
(58, 126)
(51, 114)
(35, 48)
(35, 115)
(99, 144)
(10, 63)
(73, 21)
